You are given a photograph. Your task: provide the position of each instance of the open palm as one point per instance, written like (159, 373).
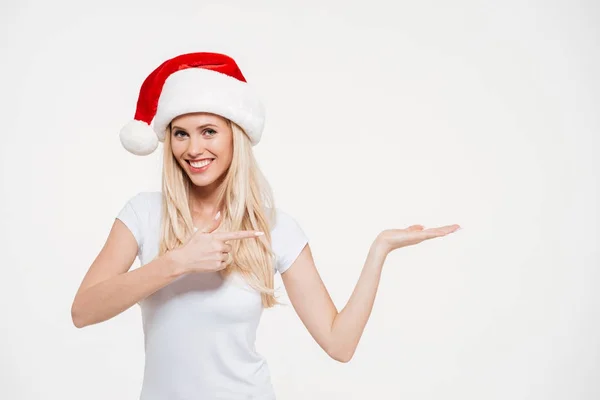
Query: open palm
(393, 239)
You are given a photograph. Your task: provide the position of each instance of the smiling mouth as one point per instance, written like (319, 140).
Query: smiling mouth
(200, 163)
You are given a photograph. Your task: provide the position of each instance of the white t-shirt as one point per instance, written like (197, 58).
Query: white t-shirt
(200, 330)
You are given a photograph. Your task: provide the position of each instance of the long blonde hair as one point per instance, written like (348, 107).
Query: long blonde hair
(247, 204)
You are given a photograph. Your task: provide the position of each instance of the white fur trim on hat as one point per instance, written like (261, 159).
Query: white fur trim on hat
(203, 90)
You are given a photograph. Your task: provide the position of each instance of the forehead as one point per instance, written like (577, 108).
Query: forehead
(199, 118)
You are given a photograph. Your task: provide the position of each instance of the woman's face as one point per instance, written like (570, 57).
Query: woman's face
(202, 144)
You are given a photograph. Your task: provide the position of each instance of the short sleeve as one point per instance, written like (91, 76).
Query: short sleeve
(287, 239)
(130, 216)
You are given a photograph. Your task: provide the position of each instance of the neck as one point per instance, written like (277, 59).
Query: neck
(203, 199)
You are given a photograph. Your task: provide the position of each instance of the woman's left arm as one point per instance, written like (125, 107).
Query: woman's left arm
(338, 333)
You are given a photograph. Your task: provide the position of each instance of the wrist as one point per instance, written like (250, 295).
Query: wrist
(175, 263)
(380, 247)
(378, 252)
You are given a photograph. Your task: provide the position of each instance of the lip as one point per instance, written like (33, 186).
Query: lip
(199, 170)
(200, 159)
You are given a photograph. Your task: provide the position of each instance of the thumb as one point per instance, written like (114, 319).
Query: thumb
(214, 224)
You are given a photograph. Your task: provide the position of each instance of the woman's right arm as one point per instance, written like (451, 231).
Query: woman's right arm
(108, 288)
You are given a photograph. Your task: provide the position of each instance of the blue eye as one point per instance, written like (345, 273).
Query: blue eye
(177, 132)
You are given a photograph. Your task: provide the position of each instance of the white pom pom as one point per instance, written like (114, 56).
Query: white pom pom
(138, 138)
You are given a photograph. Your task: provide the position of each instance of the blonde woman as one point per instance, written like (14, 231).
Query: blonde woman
(210, 242)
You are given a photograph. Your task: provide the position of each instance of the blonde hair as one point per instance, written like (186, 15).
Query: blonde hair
(247, 204)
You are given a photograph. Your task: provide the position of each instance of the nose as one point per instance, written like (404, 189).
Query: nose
(196, 146)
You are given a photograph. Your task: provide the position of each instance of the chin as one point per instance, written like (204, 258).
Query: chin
(201, 180)
(205, 180)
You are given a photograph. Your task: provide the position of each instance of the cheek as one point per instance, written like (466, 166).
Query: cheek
(224, 149)
(178, 149)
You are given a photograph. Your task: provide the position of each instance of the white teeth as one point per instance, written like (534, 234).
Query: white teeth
(200, 164)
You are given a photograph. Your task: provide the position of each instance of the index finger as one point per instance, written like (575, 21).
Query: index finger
(237, 235)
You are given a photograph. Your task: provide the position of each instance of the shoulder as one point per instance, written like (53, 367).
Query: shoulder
(287, 239)
(146, 201)
(283, 222)
(281, 218)
(141, 207)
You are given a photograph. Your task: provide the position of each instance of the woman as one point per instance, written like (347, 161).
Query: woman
(210, 242)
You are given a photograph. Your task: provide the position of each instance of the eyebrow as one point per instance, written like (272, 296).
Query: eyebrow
(197, 128)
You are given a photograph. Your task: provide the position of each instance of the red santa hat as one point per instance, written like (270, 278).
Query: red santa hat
(193, 82)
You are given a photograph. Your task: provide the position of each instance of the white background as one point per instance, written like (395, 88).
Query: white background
(380, 115)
